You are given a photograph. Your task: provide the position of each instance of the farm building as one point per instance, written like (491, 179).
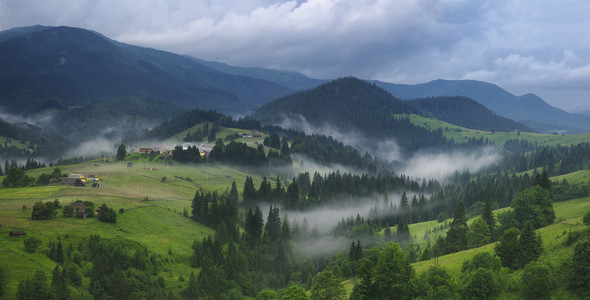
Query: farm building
(78, 176)
(79, 210)
(16, 233)
(72, 181)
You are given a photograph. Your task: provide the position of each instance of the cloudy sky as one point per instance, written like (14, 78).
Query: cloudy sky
(523, 46)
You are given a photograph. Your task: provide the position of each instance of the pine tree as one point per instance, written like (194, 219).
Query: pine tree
(530, 246)
(272, 229)
(59, 252)
(507, 248)
(121, 152)
(249, 191)
(59, 285)
(456, 239)
(293, 195)
(253, 226)
(403, 232)
(488, 216)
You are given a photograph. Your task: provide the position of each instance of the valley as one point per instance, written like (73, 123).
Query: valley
(133, 173)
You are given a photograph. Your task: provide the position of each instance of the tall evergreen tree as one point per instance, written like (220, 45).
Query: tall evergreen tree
(121, 152)
(530, 246)
(253, 226)
(293, 196)
(456, 239)
(272, 229)
(59, 252)
(59, 285)
(507, 248)
(542, 180)
(487, 215)
(403, 232)
(249, 194)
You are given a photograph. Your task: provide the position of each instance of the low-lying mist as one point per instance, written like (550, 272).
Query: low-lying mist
(323, 220)
(443, 164)
(385, 149)
(434, 164)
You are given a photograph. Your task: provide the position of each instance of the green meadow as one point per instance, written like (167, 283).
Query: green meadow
(462, 134)
(152, 194)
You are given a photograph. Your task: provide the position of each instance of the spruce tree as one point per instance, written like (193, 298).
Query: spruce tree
(530, 246)
(456, 239)
(249, 194)
(272, 229)
(507, 248)
(488, 216)
(59, 285)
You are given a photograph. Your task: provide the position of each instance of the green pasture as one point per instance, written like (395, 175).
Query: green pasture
(577, 177)
(8, 142)
(462, 134)
(152, 212)
(568, 218)
(221, 134)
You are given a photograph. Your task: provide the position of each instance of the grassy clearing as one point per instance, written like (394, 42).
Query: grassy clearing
(156, 223)
(221, 134)
(582, 176)
(568, 218)
(8, 142)
(462, 134)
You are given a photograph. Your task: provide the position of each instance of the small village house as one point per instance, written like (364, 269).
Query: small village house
(17, 233)
(79, 210)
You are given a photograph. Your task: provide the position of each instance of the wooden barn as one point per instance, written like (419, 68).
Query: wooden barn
(79, 210)
(17, 233)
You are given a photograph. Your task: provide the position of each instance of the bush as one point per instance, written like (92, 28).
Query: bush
(580, 276)
(587, 219)
(68, 211)
(42, 211)
(537, 281)
(481, 285)
(31, 244)
(107, 214)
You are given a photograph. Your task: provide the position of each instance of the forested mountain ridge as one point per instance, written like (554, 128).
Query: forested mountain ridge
(350, 104)
(77, 67)
(528, 109)
(465, 112)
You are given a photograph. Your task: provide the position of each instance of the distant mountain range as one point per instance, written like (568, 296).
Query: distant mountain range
(528, 109)
(41, 67)
(72, 79)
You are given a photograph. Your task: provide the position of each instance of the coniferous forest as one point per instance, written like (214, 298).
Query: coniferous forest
(293, 214)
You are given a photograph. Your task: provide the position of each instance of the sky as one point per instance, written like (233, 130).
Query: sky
(539, 47)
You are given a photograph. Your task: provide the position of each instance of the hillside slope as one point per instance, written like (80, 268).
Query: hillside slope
(465, 112)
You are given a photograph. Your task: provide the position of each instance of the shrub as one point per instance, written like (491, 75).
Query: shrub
(31, 244)
(537, 281)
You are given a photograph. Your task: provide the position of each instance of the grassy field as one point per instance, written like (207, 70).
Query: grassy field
(221, 134)
(7, 142)
(462, 134)
(155, 222)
